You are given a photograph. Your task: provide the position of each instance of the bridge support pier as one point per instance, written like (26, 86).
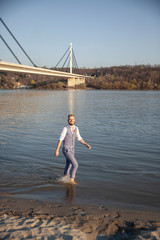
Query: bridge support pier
(73, 82)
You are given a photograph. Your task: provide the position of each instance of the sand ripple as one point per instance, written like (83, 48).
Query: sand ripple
(27, 219)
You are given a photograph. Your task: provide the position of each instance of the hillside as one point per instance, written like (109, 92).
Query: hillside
(142, 77)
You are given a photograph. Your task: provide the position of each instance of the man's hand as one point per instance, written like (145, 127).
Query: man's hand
(83, 142)
(56, 153)
(57, 149)
(88, 146)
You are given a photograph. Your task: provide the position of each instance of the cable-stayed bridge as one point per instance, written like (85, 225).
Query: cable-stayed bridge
(73, 78)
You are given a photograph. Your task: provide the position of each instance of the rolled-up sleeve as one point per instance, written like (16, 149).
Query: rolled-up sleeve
(63, 134)
(78, 136)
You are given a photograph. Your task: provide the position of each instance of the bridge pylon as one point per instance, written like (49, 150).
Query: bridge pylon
(70, 57)
(75, 81)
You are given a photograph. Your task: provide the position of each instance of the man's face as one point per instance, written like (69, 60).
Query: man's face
(71, 120)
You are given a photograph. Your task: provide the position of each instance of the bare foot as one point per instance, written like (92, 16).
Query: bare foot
(72, 181)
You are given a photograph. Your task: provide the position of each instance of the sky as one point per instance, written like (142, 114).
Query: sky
(103, 33)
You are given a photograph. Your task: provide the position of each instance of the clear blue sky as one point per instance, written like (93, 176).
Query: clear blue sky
(103, 32)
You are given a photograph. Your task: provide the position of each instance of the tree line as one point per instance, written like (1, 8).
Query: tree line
(140, 77)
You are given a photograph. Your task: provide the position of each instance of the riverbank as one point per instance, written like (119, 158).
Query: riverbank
(141, 77)
(26, 219)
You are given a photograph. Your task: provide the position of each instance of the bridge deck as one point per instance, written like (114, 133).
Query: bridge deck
(12, 67)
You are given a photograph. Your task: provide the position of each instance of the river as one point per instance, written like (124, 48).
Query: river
(122, 169)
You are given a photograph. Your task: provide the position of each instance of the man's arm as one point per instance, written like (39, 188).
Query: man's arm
(62, 136)
(83, 142)
(57, 149)
(80, 139)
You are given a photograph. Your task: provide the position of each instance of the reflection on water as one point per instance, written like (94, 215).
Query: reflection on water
(122, 127)
(71, 99)
(70, 192)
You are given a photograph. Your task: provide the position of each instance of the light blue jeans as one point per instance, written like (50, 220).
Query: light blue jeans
(71, 162)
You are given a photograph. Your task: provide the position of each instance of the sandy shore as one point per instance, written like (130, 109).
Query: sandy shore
(30, 219)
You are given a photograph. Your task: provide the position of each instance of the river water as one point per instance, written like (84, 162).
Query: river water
(122, 169)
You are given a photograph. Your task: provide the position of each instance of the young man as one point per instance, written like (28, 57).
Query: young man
(68, 135)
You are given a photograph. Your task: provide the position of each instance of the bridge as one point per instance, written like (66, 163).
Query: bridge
(73, 78)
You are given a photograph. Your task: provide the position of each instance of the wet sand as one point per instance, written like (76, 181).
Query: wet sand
(31, 219)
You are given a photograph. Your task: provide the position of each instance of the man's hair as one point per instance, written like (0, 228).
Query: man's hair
(71, 115)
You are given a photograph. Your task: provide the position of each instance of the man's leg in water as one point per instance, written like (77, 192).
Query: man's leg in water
(71, 159)
(67, 167)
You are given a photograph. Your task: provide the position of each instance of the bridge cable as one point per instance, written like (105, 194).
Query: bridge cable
(10, 49)
(66, 60)
(68, 64)
(75, 65)
(75, 62)
(62, 57)
(75, 59)
(17, 42)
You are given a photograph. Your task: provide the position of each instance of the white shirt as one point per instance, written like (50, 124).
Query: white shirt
(64, 131)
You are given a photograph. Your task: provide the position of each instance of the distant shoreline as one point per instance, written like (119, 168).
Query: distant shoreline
(79, 89)
(142, 77)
